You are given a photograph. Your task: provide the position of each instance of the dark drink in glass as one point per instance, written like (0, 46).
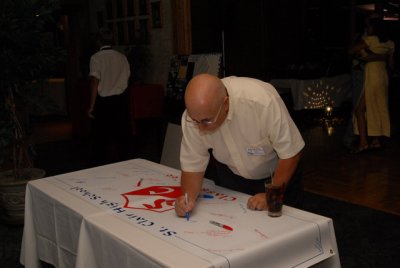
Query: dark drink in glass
(274, 196)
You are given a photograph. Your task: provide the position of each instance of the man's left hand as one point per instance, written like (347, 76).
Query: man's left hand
(257, 202)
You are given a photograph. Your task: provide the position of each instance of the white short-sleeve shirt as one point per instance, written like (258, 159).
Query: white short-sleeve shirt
(257, 132)
(112, 69)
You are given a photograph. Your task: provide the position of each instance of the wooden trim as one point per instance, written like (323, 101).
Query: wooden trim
(183, 26)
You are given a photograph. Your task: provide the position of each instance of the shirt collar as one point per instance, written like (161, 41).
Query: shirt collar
(230, 111)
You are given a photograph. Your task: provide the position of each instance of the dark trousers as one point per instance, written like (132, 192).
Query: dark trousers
(349, 137)
(226, 178)
(111, 129)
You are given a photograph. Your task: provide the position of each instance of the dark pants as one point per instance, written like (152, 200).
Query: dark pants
(349, 137)
(111, 129)
(226, 178)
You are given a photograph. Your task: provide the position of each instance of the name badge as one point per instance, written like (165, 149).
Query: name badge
(255, 151)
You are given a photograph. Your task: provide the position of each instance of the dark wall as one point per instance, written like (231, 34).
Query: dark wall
(245, 39)
(270, 39)
(207, 18)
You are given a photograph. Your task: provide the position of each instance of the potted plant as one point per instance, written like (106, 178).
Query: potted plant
(27, 55)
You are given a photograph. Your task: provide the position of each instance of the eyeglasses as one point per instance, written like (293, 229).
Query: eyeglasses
(205, 122)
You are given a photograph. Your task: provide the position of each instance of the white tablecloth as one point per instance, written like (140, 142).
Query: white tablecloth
(122, 215)
(317, 93)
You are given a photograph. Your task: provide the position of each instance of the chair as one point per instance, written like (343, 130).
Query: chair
(146, 102)
(172, 145)
(147, 106)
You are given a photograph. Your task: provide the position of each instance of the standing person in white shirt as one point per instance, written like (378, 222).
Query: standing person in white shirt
(246, 125)
(109, 103)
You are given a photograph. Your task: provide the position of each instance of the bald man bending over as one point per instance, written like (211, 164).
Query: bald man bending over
(250, 132)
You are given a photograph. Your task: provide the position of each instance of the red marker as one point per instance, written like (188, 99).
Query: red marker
(222, 225)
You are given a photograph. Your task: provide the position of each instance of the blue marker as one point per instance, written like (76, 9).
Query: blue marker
(207, 196)
(186, 203)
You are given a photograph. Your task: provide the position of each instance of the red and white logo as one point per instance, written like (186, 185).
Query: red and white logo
(153, 198)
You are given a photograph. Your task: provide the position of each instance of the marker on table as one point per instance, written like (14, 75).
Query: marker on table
(222, 225)
(186, 203)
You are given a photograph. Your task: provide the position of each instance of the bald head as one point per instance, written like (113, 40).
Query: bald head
(204, 92)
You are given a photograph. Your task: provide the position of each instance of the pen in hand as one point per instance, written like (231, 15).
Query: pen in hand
(186, 203)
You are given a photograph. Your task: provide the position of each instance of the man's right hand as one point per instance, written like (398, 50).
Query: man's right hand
(181, 207)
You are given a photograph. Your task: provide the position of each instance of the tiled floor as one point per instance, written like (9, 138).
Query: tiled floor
(369, 179)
